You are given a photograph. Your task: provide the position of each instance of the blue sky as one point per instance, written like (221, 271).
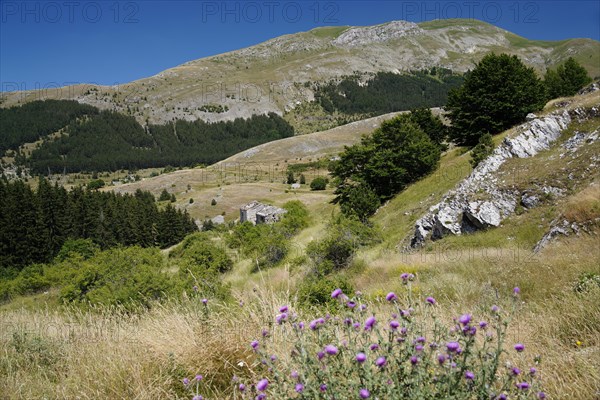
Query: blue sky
(56, 43)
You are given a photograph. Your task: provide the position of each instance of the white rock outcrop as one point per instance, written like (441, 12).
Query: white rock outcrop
(463, 209)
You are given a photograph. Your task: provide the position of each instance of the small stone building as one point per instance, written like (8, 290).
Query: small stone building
(258, 213)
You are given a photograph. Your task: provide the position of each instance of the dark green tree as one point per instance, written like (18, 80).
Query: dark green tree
(497, 94)
(567, 80)
(290, 178)
(319, 183)
(164, 195)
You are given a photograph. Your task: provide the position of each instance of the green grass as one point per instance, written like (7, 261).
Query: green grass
(330, 32)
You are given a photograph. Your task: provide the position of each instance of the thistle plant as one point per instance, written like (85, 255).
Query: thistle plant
(403, 352)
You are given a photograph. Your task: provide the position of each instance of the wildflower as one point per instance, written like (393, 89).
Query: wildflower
(465, 319)
(364, 393)
(280, 318)
(453, 347)
(516, 291)
(299, 387)
(265, 333)
(471, 331)
(515, 371)
(502, 396)
(204, 301)
(441, 359)
(433, 345)
(430, 300)
(301, 325)
(320, 355)
(261, 396)
(495, 309)
(351, 304)
(356, 325)
(363, 307)
(361, 357)
(374, 346)
(532, 371)
(420, 339)
(414, 360)
(315, 323)
(283, 309)
(541, 395)
(197, 397)
(254, 344)
(469, 375)
(198, 378)
(273, 357)
(483, 324)
(405, 313)
(391, 296)
(519, 347)
(380, 362)
(242, 387)
(403, 331)
(294, 374)
(406, 277)
(419, 347)
(186, 381)
(261, 386)
(369, 323)
(394, 325)
(578, 343)
(523, 385)
(336, 293)
(323, 387)
(195, 288)
(331, 350)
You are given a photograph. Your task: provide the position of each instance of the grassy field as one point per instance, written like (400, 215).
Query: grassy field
(51, 351)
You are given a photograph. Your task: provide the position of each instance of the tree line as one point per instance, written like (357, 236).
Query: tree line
(34, 224)
(388, 92)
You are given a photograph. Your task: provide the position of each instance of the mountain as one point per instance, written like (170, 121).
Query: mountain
(280, 75)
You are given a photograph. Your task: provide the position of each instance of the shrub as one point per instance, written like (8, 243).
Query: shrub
(319, 183)
(403, 353)
(164, 195)
(566, 80)
(302, 179)
(84, 248)
(213, 202)
(295, 219)
(483, 150)
(317, 290)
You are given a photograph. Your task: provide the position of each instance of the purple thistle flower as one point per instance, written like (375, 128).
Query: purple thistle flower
(374, 346)
(283, 309)
(502, 396)
(495, 308)
(361, 357)
(301, 325)
(273, 357)
(541, 395)
(281, 318)
(380, 362)
(320, 355)
(391, 296)
(351, 304)
(336, 293)
(404, 330)
(430, 300)
(523, 385)
(363, 307)
(204, 301)
(323, 387)
(242, 387)
(472, 331)
(331, 350)
(261, 396)
(299, 387)
(441, 359)
(198, 378)
(356, 325)
(419, 347)
(197, 397)
(519, 347)
(261, 386)
(370, 322)
(515, 371)
(254, 344)
(294, 374)
(453, 347)
(315, 323)
(420, 339)
(414, 360)
(195, 288)
(394, 324)
(405, 313)
(364, 393)
(347, 321)
(265, 333)
(404, 276)
(516, 290)
(465, 319)
(469, 375)
(186, 381)
(532, 371)
(483, 324)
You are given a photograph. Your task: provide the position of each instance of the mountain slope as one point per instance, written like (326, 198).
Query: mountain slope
(277, 75)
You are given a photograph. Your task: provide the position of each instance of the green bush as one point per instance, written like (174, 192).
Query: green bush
(164, 195)
(123, 276)
(319, 183)
(84, 248)
(202, 255)
(317, 290)
(566, 80)
(483, 150)
(295, 219)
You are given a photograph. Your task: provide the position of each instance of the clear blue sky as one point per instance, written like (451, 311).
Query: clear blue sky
(48, 43)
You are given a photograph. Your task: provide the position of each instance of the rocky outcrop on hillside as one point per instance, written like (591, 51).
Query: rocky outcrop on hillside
(376, 34)
(478, 202)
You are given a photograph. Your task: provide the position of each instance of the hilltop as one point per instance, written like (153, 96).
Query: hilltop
(279, 75)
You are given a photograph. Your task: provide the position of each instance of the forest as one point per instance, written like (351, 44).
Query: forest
(388, 92)
(92, 140)
(36, 223)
